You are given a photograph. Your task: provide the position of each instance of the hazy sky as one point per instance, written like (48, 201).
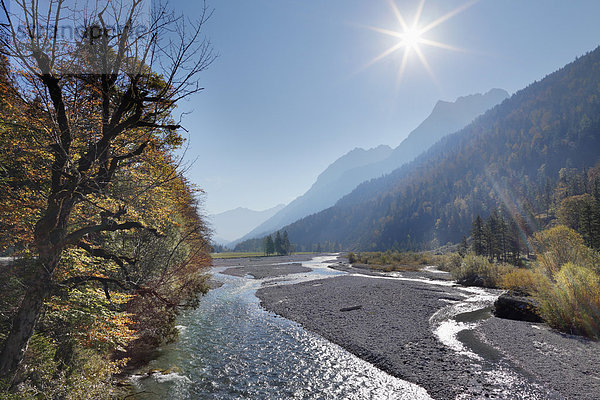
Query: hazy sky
(289, 93)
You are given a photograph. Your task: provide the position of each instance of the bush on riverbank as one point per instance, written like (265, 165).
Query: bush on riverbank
(520, 280)
(570, 300)
(392, 260)
(568, 282)
(479, 271)
(449, 262)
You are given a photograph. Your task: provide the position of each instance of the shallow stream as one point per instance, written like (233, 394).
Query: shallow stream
(231, 348)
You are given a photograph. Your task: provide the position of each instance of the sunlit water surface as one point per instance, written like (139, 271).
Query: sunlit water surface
(231, 348)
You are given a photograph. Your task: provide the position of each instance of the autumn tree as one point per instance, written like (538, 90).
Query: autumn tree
(95, 107)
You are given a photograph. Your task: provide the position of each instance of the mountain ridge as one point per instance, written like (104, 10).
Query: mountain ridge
(504, 159)
(341, 177)
(227, 225)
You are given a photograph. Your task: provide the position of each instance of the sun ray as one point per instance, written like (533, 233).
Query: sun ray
(424, 62)
(402, 67)
(418, 13)
(442, 45)
(411, 36)
(399, 16)
(384, 54)
(386, 31)
(446, 17)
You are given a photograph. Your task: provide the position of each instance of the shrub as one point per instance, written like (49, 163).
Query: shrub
(351, 258)
(520, 280)
(392, 260)
(571, 301)
(450, 262)
(479, 271)
(567, 282)
(560, 245)
(89, 375)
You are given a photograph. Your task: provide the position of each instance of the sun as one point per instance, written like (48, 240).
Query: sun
(411, 37)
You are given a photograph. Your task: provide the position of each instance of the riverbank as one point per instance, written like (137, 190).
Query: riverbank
(388, 322)
(232, 348)
(263, 267)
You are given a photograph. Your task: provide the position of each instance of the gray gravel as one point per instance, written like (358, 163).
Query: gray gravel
(569, 365)
(386, 322)
(390, 330)
(264, 267)
(267, 271)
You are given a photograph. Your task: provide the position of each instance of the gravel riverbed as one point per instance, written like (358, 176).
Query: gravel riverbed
(387, 321)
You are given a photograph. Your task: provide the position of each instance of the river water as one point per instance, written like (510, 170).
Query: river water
(231, 348)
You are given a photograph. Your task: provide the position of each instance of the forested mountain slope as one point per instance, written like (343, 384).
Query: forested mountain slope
(328, 188)
(360, 165)
(509, 157)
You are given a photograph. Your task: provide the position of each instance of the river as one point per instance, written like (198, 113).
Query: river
(231, 348)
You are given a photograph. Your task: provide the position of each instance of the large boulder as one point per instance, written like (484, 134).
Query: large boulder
(515, 306)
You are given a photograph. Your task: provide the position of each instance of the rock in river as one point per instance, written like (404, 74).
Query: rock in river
(512, 306)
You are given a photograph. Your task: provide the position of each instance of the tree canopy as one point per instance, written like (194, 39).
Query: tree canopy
(106, 230)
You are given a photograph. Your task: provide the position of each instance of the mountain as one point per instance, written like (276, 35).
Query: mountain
(359, 165)
(327, 189)
(231, 224)
(505, 159)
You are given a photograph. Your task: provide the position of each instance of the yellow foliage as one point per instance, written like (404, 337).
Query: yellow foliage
(567, 282)
(571, 303)
(520, 279)
(559, 245)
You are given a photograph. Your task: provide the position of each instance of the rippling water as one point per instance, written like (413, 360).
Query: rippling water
(231, 348)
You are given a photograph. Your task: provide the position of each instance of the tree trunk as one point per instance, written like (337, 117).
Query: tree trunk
(49, 235)
(24, 322)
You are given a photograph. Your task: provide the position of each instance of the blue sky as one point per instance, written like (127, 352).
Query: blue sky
(288, 94)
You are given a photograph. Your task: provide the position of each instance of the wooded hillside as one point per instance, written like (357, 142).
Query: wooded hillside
(510, 157)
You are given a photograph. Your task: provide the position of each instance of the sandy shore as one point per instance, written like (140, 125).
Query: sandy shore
(387, 322)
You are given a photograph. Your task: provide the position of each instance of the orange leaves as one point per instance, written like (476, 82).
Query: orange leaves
(113, 330)
(96, 322)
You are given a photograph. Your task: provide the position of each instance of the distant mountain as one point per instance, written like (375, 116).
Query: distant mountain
(359, 165)
(328, 188)
(232, 224)
(507, 158)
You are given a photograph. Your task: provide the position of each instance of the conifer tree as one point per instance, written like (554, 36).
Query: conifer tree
(278, 243)
(286, 246)
(269, 246)
(477, 234)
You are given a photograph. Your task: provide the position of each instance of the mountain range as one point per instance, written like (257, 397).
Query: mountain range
(506, 159)
(229, 225)
(360, 165)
